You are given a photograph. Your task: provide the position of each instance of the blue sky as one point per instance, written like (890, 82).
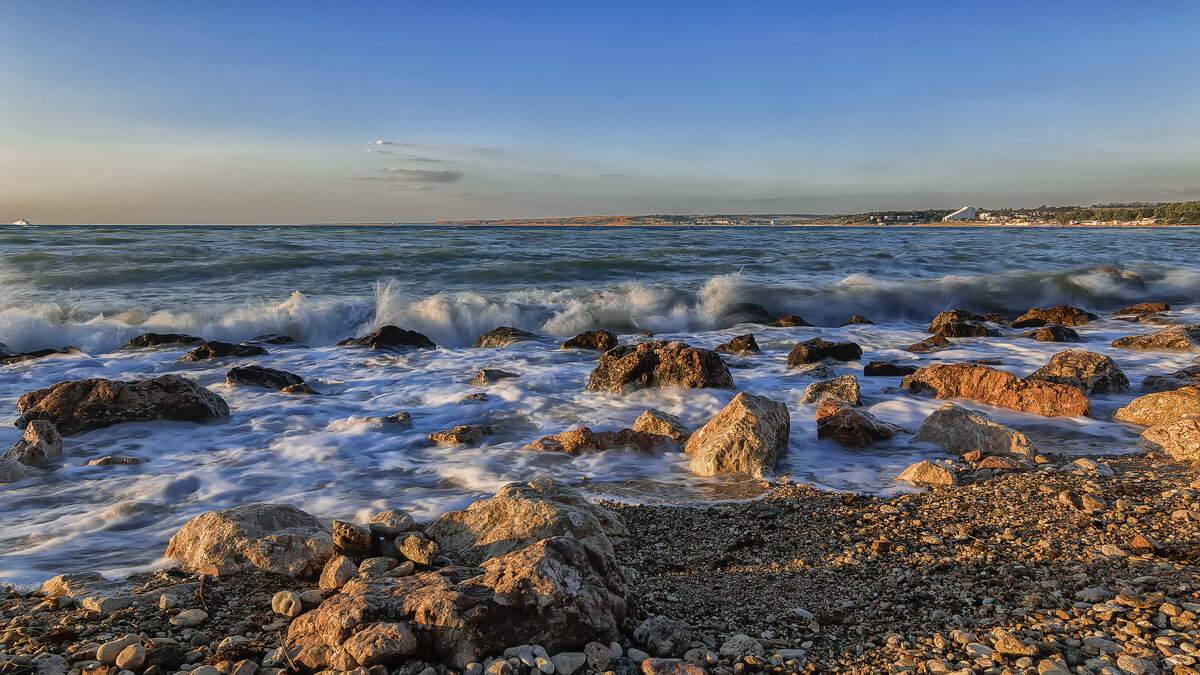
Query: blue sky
(273, 112)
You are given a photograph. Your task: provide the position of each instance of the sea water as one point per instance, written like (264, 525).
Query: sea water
(94, 288)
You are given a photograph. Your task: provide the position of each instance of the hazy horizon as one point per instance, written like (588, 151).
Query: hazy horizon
(142, 113)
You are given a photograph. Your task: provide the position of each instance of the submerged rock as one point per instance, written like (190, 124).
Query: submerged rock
(583, 439)
(83, 405)
(503, 337)
(216, 350)
(22, 357)
(400, 421)
(1179, 439)
(1177, 379)
(960, 430)
(12, 471)
(818, 371)
(966, 329)
(488, 376)
(746, 437)
(1090, 372)
(272, 537)
(463, 435)
(996, 387)
(1161, 407)
(151, 340)
(602, 340)
(817, 349)
(1174, 339)
(391, 338)
(741, 345)
(844, 388)
(1053, 332)
(1063, 315)
(269, 378)
(40, 445)
(929, 344)
(859, 319)
(852, 426)
(658, 422)
(887, 369)
(659, 364)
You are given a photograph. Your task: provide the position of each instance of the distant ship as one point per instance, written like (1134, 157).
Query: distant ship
(22, 222)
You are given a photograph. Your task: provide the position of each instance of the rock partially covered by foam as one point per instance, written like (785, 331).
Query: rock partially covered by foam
(84, 405)
(1090, 372)
(996, 387)
(601, 340)
(153, 340)
(851, 426)
(40, 445)
(217, 350)
(659, 364)
(584, 440)
(390, 338)
(747, 436)
(268, 378)
(272, 537)
(1173, 339)
(503, 337)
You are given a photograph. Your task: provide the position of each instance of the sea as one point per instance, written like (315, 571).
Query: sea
(95, 287)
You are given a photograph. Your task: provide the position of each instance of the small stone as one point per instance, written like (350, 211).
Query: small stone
(337, 572)
(189, 618)
(567, 663)
(132, 657)
(109, 651)
(599, 656)
(418, 549)
(287, 603)
(637, 655)
(244, 667)
(739, 646)
(167, 601)
(669, 667)
(376, 567)
(351, 540)
(391, 524)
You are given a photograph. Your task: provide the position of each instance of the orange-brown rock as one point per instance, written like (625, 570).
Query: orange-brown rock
(1143, 308)
(789, 321)
(83, 405)
(1173, 339)
(583, 439)
(953, 316)
(602, 340)
(659, 364)
(851, 426)
(1063, 315)
(1161, 407)
(996, 387)
(740, 345)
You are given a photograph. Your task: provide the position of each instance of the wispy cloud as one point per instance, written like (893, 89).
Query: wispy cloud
(457, 147)
(425, 176)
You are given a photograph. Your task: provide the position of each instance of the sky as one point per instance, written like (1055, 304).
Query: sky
(298, 112)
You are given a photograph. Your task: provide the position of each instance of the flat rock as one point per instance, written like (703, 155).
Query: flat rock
(1161, 407)
(273, 537)
(1173, 339)
(584, 440)
(1183, 377)
(391, 338)
(1143, 308)
(789, 321)
(887, 369)
(746, 436)
(1089, 372)
(215, 350)
(659, 364)
(461, 436)
(929, 344)
(488, 376)
(998, 388)
(503, 337)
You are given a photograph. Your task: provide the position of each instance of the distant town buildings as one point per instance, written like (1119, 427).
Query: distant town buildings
(965, 213)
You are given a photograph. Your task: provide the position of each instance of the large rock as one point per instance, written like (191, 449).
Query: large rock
(83, 405)
(1143, 308)
(655, 421)
(217, 350)
(1177, 379)
(1063, 315)
(746, 437)
(503, 337)
(1053, 332)
(844, 388)
(1161, 407)
(1179, 439)
(966, 329)
(996, 387)
(928, 474)
(556, 593)
(521, 514)
(391, 338)
(268, 378)
(659, 364)
(583, 439)
(817, 349)
(276, 538)
(602, 340)
(151, 340)
(1090, 372)
(741, 345)
(960, 430)
(851, 426)
(953, 316)
(40, 444)
(12, 471)
(887, 369)
(1173, 339)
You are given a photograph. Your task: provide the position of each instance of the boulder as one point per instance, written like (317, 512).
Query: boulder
(40, 444)
(12, 471)
(817, 349)
(83, 405)
(1143, 308)
(859, 319)
(1179, 439)
(953, 316)
(521, 514)
(887, 369)
(602, 340)
(844, 388)
(741, 345)
(216, 350)
(1161, 407)
(269, 378)
(1063, 315)
(966, 329)
(960, 430)
(1053, 332)
(996, 387)
(851, 426)
(929, 344)
(665, 424)
(151, 340)
(391, 523)
(928, 474)
(659, 364)
(391, 338)
(1177, 379)
(583, 439)
(1173, 339)
(1090, 372)
(503, 337)
(789, 321)
(463, 435)
(746, 436)
(276, 538)
(556, 593)
(488, 376)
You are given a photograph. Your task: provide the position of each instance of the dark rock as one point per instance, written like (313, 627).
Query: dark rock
(998, 388)
(965, 329)
(1064, 315)
(258, 376)
(147, 340)
(392, 338)
(887, 369)
(593, 339)
(858, 318)
(663, 636)
(1053, 332)
(747, 312)
(789, 321)
(953, 316)
(817, 349)
(851, 426)
(659, 364)
(83, 405)
(274, 339)
(1180, 378)
(993, 317)
(1143, 308)
(167, 657)
(503, 337)
(214, 350)
(491, 376)
(929, 344)
(740, 345)
(1091, 373)
(21, 357)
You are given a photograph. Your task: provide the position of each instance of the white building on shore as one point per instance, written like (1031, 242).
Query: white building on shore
(965, 213)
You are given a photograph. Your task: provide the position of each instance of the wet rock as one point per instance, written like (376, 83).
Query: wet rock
(815, 370)
(472, 399)
(83, 405)
(1090, 372)
(503, 337)
(12, 471)
(521, 514)
(1161, 407)
(887, 369)
(463, 435)
(150, 340)
(39, 445)
(859, 319)
(583, 439)
(1173, 339)
(663, 636)
(22, 357)
(488, 376)
(659, 364)
(1179, 439)
(966, 329)
(273, 537)
(391, 524)
(926, 473)
(954, 316)
(273, 339)
(1183, 377)
(998, 388)
(269, 378)
(1063, 315)
(746, 436)
(789, 321)
(1143, 308)
(215, 350)
(960, 430)
(391, 338)
(742, 345)
(844, 388)
(929, 344)
(817, 349)
(401, 421)
(655, 421)
(851, 426)
(112, 460)
(602, 340)
(1053, 332)
(556, 593)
